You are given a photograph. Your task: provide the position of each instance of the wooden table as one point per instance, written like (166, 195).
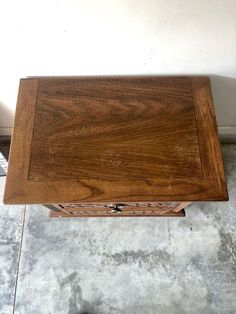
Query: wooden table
(115, 146)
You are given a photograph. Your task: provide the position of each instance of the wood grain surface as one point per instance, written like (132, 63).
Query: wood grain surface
(117, 139)
(116, 129)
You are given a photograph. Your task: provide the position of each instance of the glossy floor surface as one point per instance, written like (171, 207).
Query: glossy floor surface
(121, 265)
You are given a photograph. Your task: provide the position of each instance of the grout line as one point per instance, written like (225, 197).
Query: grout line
(18, 262)
(168, 229)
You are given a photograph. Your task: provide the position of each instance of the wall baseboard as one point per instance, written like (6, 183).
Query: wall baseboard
(5, 131)
(227, 129)
(227, 133)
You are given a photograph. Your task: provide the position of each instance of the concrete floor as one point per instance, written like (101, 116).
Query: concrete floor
(121, 265)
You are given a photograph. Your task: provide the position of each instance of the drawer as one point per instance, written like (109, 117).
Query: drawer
(118, 209)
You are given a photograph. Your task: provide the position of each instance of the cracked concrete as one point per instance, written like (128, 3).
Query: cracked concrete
(126, 266)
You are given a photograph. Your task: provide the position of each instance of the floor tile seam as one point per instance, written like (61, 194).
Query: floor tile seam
(19, 259)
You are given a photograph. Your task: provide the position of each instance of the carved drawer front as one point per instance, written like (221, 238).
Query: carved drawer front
(119, 209)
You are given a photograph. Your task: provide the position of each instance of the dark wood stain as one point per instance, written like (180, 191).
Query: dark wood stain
(122, 139)
(114, 130)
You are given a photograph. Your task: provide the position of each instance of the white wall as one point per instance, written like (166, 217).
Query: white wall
(69, 37)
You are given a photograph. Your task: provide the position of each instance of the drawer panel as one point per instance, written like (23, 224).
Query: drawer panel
(119, 209)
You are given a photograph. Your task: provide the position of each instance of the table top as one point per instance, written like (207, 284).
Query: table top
(96, 139)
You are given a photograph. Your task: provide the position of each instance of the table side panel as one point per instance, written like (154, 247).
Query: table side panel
(19, 157)
(209, 143)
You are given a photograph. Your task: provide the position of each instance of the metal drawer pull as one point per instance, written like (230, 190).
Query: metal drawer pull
(116, 208)
(115, 211)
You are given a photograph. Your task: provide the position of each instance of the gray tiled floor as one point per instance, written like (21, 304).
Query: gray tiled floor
(11, 223)
(150, 265)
